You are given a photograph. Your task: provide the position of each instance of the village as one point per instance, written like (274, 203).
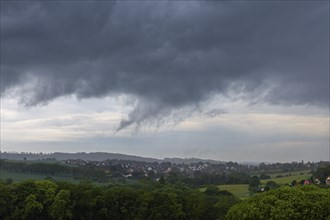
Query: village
(138, 169)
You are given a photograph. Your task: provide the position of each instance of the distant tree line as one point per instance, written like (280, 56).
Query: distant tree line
(94, 173)
(55, 169)
(203, 178)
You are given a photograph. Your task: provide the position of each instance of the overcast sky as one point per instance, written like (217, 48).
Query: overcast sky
(225, 80)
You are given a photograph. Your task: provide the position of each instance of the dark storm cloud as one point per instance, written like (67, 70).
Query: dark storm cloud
(167, 54)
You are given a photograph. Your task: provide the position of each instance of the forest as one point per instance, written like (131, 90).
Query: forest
(46, 199)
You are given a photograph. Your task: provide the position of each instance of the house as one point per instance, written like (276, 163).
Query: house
(327, 181)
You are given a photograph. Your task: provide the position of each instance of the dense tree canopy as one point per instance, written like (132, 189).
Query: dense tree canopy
(308, 202)
(46, 199)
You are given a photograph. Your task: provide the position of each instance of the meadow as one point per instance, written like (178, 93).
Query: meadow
(242, 190)
(239, 190)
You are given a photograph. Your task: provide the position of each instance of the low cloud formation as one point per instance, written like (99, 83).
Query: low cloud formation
(168, 55)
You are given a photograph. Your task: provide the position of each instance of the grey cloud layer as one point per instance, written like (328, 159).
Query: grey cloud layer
(167, 54)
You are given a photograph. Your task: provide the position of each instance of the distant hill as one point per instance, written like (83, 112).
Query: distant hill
(94, 156)
(97, 156)
(190, 160)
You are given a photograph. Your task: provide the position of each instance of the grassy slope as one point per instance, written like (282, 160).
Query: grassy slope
(297, 175)
(287, 179)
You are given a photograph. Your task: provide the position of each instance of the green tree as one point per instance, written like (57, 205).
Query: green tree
(211, 190)
(20, 191)
(264, 176)
(124, 202)
(224, 203)
(62, 207)
(45, 191)
(272, 185)
(254, 184)
(32, 208)
(83, 196)
(196, 206)
(164, 206)
(161, 180)
(6, 200)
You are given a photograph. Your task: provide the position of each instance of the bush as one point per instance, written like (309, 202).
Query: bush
(264, 176)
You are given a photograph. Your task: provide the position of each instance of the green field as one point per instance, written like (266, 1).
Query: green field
(25, 176)
(288, 177)
(242, 190)
(293, 173)
(239, 190)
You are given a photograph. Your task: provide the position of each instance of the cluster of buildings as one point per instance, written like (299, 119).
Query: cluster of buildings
(129, 168)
